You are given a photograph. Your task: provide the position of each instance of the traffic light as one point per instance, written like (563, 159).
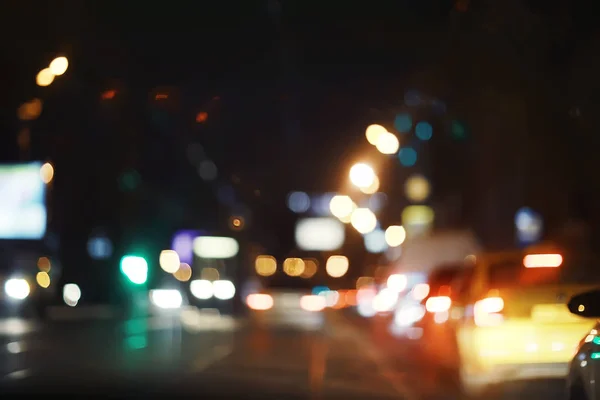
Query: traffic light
(135, 269)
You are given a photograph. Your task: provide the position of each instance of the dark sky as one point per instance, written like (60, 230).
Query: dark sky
(289, 87)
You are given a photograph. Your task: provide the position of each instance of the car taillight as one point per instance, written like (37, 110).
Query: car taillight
(259, 301)
(438, 304)
(487, 311)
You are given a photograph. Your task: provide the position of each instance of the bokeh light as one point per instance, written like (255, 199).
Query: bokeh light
(184, 273)
(71, 294)
(201, 116)
(337, 266)
(424, 131)
(17, 288)
(417, 188)
(207, 170)
(201, 289)
(341, 206)
(310, 268)
(395, 235)
(373, 132)
(362, 175)
(458, 130)
(375, 241)
(210, 274)
(407, 156)
(47, 173)
(236, 223)
(417, 219)
(387, 143)
(169, 261)
(99, 247)
(108, 94)
(59, 66)
(373, 188)
(293, 266)
(44, 264)
(319, 234)
(298, 202)
(45, 77)
(403, 123)
(363, 220)
(43, 279)
(364, 281)
(397, 282)
(30, 110)
(265, 265)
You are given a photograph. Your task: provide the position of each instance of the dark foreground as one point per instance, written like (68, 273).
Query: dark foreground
(302, 357)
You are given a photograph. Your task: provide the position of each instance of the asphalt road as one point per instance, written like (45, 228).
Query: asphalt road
(303, 356)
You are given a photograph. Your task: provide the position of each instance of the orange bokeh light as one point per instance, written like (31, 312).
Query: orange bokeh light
(202, 116)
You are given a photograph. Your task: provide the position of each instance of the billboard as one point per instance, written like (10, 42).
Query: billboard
(23, 214)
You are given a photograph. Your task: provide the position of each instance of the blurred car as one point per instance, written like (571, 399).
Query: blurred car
(444, 288)
(513, 322)
(287, 307)
(583, 372)
(437, 285)
(420, 258)
(28, 285)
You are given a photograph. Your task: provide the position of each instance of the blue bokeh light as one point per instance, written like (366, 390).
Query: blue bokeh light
(423, 130)
(403, 123)
(407, 156)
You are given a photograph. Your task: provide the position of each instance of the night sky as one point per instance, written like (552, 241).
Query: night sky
(288, 88)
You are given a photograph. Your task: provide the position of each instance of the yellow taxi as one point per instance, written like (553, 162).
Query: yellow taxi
(514, 323)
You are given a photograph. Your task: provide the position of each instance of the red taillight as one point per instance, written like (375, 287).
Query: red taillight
(438, 304)
(487, 311)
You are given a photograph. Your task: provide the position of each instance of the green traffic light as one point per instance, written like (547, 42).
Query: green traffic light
(135, 269)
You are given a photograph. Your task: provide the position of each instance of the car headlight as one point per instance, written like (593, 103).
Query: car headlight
(166, 298)
(17, 288)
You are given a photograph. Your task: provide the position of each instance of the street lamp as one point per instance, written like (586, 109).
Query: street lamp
(373, 133)
(362, 175)
(45, 77)
(387, 143)
(363, 220)
(341, 206)
(59, 66)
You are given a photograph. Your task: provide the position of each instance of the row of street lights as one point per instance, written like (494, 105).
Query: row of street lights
(363, 176)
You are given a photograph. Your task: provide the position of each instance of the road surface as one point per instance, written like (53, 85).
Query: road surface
(319, 357)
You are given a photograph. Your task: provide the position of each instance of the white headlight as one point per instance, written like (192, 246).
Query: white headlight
(166, 298)
(16, 288)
